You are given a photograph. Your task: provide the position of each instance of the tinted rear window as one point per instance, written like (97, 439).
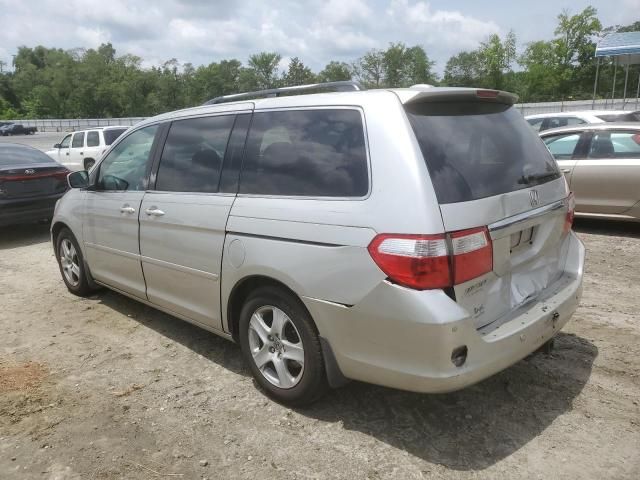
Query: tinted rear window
(316, 153)
(111, 135)
(19, 155)
(477, 150)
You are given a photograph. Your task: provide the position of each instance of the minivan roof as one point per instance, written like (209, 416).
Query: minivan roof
(357, 97)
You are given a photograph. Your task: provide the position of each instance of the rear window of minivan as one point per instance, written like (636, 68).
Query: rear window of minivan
(475, 150)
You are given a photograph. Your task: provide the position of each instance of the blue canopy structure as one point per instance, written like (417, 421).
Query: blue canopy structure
(625, 50)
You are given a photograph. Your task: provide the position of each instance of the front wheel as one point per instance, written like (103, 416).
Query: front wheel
(71, 264)
(280, 344)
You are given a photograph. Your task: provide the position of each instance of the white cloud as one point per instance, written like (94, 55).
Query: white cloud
(317, 31)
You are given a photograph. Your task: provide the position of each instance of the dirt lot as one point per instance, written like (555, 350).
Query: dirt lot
(106, 388)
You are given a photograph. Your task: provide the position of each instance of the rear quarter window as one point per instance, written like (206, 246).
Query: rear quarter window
(476, 149)
(312, 153)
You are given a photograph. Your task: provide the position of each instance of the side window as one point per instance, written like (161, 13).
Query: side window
(306, 153)
(615, 145)
(193, 153)
(574, 121)
(93, 139)
(78, 140)
(125, 167)
(65, 141)
(562, 146)
(536, 123)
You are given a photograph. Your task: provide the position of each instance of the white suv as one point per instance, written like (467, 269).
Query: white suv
(80, 150)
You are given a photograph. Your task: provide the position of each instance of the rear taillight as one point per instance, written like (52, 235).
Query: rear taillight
(59, 174)
(433, 261)
(487, 93)
(571, 209)
(472, 254)
(415, 261)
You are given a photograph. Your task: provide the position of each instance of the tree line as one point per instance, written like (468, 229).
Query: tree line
(94, 83)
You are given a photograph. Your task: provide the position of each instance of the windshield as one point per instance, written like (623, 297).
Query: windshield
(476, 149)
(20, 155)
(111, 134)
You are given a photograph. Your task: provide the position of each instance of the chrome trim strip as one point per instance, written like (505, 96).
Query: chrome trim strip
(529, 215)
(179, 268)
(115, 251)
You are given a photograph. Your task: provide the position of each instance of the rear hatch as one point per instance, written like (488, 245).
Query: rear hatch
(490, 170)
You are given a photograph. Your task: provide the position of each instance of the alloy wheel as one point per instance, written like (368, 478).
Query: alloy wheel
(70, 262)
(276, 347)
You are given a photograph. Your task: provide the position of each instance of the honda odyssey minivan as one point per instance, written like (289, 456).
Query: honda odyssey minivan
(414, 238)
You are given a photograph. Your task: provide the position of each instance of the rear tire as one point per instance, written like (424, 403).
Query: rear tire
(71, 264)
(280, 344)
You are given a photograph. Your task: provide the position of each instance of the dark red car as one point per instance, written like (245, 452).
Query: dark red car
(30, 184)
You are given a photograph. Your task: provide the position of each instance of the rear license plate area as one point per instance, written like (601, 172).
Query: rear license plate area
(522, 239)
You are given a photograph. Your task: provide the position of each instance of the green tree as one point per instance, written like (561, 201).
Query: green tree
(298, 74)
(264, 67)
(464, 70)
(335, 72)
(369, 69)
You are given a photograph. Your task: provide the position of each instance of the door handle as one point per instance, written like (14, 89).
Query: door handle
(127, 209)
(81, 153)
(67, 154)
(154, 211)
(566, 170)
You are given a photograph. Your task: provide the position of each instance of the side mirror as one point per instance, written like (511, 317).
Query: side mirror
(57, 145)
(78, 179)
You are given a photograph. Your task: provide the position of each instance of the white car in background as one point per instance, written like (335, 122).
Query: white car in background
(545, 121)
(80, 150)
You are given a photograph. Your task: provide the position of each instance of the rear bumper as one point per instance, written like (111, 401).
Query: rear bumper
(14, 212)
(404, 339)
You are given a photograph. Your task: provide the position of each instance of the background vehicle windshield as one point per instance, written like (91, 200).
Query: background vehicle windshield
(475, 150)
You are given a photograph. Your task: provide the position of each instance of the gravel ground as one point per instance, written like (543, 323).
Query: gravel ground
(107, 388)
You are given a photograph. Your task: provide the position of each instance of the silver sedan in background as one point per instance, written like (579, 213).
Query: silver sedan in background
(601, 163)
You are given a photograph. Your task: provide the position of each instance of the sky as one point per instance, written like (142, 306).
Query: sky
(317, 31)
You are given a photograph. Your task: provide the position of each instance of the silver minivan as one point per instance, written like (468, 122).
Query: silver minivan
(415, 238)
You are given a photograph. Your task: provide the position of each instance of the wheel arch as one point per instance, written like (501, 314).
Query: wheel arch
(56, 228)
(241, 291)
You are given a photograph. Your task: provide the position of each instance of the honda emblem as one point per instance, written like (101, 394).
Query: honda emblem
(29, 171)
(533, 195)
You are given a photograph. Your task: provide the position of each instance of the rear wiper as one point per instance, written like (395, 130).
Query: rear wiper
(537, 178)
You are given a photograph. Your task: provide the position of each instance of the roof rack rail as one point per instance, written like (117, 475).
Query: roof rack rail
(341, 86)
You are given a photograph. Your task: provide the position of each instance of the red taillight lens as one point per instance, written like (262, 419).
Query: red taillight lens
(425, 262)
(472, 254)
(415, 261)
(571, 210)
(60, 174)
